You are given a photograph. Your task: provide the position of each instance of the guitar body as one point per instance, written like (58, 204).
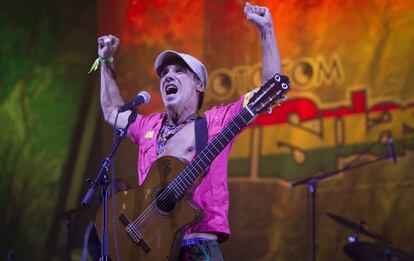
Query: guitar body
(158, 227)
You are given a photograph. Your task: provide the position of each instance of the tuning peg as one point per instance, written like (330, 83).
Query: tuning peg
(284, 97)
(269, 111)
(277, 104)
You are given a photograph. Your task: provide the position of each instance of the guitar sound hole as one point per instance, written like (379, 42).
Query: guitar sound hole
(166, 200)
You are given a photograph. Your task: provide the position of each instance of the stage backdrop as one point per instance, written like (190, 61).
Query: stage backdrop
(351, 69)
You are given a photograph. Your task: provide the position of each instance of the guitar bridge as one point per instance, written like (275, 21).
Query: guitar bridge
(134, 233)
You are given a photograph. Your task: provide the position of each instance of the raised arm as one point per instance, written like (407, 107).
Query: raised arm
(262, 19)
(110, 96)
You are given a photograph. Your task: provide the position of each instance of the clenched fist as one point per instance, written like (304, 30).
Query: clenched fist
(107, 46)
(258, 15)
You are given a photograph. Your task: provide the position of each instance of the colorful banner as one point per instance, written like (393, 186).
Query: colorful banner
(351, 69)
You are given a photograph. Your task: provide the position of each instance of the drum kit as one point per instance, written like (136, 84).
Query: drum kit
(379, 251)
(356, 250)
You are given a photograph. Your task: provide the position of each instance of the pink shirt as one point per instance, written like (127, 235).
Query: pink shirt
(212, 193)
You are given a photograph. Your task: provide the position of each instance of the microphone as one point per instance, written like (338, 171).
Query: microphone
(391, 150)
(141, 98)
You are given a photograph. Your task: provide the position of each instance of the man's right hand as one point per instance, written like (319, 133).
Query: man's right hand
(110, 96)
(259, 16)
(107, 46)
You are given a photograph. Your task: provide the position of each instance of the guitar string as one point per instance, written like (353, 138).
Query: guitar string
(147, 213)
(152, 220)
(160, 198)
(150, 214)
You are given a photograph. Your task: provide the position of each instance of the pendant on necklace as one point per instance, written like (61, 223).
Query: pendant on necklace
(167, 132)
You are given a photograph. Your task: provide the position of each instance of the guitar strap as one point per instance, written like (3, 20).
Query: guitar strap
(201, 135)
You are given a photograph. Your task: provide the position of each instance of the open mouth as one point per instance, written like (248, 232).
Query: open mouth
(171, 89)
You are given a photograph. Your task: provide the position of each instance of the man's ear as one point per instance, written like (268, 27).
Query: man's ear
(200, 86)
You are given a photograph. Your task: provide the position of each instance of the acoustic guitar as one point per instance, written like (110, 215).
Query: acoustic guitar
(151, 219)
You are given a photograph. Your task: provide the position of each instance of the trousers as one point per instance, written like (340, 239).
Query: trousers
(200, 250)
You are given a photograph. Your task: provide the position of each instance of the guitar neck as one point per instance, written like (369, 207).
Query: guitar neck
(203, 160)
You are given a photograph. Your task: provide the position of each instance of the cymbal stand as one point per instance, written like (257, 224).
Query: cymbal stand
(312, 183)
(67, 218)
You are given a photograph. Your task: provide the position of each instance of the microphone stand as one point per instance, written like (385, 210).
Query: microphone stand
(312, 183)
(102, 180)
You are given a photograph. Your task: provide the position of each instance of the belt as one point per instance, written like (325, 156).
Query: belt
(210, 236)
(194, 241)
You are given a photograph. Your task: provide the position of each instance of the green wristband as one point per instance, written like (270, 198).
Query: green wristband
(98, 60)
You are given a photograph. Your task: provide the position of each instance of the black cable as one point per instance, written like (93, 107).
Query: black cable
(113, 188)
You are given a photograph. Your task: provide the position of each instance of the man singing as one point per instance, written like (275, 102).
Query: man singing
(183, 80)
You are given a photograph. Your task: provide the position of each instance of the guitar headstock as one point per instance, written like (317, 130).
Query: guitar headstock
(270, 94)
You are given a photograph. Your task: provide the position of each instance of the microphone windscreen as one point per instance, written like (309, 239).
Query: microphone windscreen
(146, 96)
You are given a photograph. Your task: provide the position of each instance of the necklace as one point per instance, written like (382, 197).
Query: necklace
(169, 130)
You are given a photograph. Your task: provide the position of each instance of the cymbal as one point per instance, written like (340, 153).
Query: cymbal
(375, 252)
(358, 228)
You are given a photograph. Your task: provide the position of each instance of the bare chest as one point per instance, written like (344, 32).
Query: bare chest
(182, 144)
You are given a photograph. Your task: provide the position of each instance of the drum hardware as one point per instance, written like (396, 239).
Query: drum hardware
(360, 228)
(367, 251)
(312, 183)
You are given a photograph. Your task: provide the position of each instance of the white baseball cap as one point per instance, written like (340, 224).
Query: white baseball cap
(193, 63)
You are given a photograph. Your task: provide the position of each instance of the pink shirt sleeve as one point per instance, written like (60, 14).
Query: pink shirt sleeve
(134, 129)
